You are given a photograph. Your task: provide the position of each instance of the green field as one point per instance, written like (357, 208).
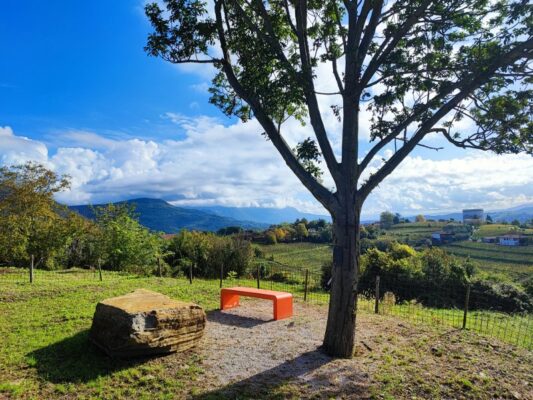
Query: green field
(497, 230)
(301, 255)
(412, 233)
(515, 261)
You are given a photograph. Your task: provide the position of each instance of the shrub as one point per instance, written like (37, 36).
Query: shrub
(325, 275)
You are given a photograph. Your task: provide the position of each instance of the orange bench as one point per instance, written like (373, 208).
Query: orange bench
(229, 298)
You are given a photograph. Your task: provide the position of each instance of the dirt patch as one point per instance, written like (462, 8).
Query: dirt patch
(245, 354)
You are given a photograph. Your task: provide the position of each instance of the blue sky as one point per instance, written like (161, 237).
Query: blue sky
(79, 94)
(70, 64)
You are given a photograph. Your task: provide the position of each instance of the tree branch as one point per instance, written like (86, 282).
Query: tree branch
(323, 195)
(309, 89)
(467, 86)
(389, 43)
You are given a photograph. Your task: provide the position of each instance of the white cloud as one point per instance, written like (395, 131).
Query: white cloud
(234, 165)
(478, 179)
(19, 149)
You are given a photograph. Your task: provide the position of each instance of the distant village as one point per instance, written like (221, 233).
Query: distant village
(474, 218)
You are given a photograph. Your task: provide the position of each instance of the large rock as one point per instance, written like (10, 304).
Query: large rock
(146, 323)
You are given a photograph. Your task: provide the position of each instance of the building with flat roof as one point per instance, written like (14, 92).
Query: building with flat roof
(474, 216)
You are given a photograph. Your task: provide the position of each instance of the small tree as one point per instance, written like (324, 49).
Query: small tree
(417, 66)
(122, 242)
(301, 231)
(420, 218)
(386, 219)
(31, 222)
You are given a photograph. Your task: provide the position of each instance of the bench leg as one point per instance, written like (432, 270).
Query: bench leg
(283, 308)
(228, 300)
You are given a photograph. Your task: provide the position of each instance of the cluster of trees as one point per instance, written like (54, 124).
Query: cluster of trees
(208, 255)
(434, 278)
(316, 231)
(36, 230)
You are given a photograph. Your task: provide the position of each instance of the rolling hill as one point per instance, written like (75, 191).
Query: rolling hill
(265, 215)
(158, 215)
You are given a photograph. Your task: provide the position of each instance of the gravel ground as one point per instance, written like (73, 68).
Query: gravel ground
(245, 354)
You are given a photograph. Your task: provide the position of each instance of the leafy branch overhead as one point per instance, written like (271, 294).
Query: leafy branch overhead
(417, 66)
(413, 66)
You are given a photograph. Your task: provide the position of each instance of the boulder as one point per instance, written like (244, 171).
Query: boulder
(145, 323)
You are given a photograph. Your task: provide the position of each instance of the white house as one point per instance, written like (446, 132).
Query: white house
(510, 240)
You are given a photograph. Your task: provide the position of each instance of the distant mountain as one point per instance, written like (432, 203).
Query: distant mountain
(158, 215)
(265, 215)
(522, 213)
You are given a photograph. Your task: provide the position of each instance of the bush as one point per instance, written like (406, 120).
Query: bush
(499, 297)
(325, 275)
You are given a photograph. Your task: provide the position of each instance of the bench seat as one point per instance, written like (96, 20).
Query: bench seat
(282, 301)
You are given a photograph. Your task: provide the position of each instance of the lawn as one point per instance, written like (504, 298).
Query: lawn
(45, 353)
(301, 255)
(516, 262)
(498, 229)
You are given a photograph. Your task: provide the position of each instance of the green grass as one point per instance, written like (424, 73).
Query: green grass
(515, 329)
(301, 255)
(412, 233)
(44, 330)
(516, 262)
(44, 350)
(498, 229)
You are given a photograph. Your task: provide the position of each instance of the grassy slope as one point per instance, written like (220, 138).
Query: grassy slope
(516, 263)
(44, 352)
(301, 255)
(497, 230)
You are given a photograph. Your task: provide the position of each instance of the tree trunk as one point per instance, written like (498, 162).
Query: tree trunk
(340, 329)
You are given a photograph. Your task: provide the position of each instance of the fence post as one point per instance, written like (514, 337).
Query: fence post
(376, 304)
(31, 269)
(190, 273)
(306, 284)
(100, 269)
(221, 274)
(258, 277)
(159, 267)
(467, 302)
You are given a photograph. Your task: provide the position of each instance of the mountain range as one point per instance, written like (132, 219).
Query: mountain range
(159, 215)
(521, 213)
(265, 215)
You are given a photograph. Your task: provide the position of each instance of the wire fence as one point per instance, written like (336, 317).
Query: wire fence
(465, 307)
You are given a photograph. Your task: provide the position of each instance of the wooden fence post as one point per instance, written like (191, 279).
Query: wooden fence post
(160, 273)
(258, 277)
(306, 284)
(376, 304)
(221, 274)
(31, 268)
(190, 273)
(100, 269)
(467, 302)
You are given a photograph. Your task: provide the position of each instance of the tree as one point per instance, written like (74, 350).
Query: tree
(386, 219)
(301, 231)
(122, 242)
(32, 224)
(417, 66)
(420, 218)
(396, 219)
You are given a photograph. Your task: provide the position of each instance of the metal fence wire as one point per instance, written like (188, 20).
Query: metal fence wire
(462, 307)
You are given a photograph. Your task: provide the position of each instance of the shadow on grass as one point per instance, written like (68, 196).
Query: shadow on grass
(224, 318)
(296, 378)
(74, 360)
